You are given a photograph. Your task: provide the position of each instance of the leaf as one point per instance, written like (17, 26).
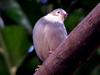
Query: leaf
(13, 10)
(4, 68)
(16, 42)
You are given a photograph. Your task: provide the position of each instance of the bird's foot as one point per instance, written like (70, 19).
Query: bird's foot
(38, 67)
(50, 52)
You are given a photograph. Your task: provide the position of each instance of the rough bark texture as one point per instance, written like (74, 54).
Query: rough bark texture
(76, 48)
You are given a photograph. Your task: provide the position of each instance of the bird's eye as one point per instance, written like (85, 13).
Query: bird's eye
(58, 12)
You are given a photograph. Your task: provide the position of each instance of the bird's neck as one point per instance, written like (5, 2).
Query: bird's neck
(52, 18)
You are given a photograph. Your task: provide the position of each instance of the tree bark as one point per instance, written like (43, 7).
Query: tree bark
(76, 48)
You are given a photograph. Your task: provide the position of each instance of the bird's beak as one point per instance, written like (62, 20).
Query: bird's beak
(65, 15)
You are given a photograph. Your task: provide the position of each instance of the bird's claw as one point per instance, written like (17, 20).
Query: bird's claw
(38, 67)
(50, 52)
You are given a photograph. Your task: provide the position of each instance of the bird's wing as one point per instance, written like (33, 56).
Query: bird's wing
(40, 42)
(55, 33)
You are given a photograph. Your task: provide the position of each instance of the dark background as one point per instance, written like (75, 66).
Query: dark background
(17, 19)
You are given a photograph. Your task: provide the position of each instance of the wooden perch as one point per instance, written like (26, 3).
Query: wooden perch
(76, 48)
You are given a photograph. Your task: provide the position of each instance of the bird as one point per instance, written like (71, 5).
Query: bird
(49, 32)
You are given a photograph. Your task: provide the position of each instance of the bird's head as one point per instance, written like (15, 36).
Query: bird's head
(57, 15)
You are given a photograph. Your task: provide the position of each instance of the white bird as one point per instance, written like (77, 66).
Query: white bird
(49, 32)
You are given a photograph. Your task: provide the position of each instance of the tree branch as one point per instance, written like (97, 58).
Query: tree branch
(76, 48)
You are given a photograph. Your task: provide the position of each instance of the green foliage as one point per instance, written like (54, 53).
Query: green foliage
(15, 44)
(74, 18)
(4, 68)
(14, 12)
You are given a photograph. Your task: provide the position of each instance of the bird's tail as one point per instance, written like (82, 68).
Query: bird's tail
(31, 49)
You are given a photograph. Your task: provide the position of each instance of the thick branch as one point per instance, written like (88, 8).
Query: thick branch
(76, 48)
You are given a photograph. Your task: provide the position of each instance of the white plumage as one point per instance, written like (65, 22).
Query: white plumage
(49, 32)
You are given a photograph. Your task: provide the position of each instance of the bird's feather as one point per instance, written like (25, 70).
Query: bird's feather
(49, 32)
(46, 36)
